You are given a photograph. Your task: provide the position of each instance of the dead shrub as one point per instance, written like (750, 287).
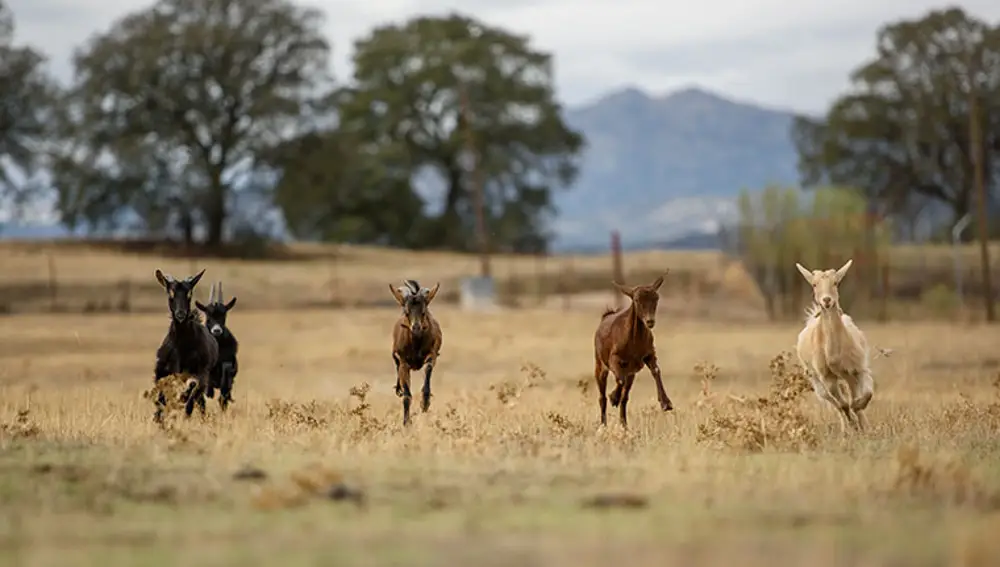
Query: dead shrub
(308, 415)
(510, 391)
(453, 424)
(956, 416)
(174, 388)
(562, 425)
(23, 427)
(941, 480)
(774, 421)
(367, 424)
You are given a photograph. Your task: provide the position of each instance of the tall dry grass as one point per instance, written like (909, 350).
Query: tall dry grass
(509, 466)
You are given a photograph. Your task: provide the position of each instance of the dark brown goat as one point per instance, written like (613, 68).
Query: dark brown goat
(416, 341)
(623, 344)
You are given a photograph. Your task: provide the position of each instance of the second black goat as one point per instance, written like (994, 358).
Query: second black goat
(224, 372)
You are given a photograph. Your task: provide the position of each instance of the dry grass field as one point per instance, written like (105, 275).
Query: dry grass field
(311, 465)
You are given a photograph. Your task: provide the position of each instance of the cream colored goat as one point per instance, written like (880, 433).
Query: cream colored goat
(834, 351)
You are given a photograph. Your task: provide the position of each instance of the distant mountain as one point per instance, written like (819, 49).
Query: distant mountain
(660, 168)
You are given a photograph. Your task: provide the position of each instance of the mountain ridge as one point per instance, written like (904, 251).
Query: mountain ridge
(646, 151)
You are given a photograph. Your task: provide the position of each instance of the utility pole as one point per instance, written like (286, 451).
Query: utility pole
(976, 144)
(476, 186)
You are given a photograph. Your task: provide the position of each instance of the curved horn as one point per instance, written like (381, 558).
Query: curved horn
(413, 286)
(218, 296)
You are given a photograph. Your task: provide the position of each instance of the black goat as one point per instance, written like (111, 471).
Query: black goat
(188, 347)
(224, 372)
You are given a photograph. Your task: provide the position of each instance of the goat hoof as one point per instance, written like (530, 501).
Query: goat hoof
(614, 398)
(666, 405)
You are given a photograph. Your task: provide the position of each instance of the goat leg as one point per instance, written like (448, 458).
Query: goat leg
(601, 377)
(403, 388)
(425, 399)
(623, 405)
(226, 386)
(399, 387)
(616, 394)
(661, 394)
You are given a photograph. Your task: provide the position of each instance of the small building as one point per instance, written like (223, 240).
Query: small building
(477, 294)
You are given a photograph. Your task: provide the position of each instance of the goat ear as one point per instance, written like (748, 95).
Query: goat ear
(432, 292)
(165, 281)
(843, 270)
(231, 303)
(397, 294)
(627, 291)
(193, 280)
(659, 281)
(200, 306)
(805, 273)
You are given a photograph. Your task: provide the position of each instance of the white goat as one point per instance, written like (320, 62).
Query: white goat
(834, 351)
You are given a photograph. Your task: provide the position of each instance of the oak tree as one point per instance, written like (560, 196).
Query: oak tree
(171, 108)
(410, 81)
(26, 97)
(903, 130)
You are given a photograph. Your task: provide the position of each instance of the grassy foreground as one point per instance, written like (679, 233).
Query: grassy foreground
(509, 466)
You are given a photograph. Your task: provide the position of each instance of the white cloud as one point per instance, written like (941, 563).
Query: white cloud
(785, 53)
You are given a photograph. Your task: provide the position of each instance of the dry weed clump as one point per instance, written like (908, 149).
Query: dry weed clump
(774, 421)
(367, 424)
(23, 427)
(562, 425)
(957, 416)
(173, 387)
(314, 415)
(298, 415)
(510, 391)
(943, 480)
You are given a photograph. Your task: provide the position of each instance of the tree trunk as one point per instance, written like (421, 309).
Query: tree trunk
(187, 228)
(216, 214)
(960, 209)
(449, 230)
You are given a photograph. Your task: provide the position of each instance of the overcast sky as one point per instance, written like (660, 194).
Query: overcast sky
(794, 54)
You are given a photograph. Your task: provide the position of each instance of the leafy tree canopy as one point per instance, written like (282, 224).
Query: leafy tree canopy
(409, 84)
(904, 128)
(172, 107)
(26, 97)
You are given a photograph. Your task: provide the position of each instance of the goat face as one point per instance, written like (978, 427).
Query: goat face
(414, 301)
(824, 284)
(179, 293)
(645, 299)
(215, 315)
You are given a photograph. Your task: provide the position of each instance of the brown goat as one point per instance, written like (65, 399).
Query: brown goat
(416, 341)
(623, 344)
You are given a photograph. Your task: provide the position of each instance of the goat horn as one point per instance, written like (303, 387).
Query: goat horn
(219, 297)
(413, 285)
(211, 294)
